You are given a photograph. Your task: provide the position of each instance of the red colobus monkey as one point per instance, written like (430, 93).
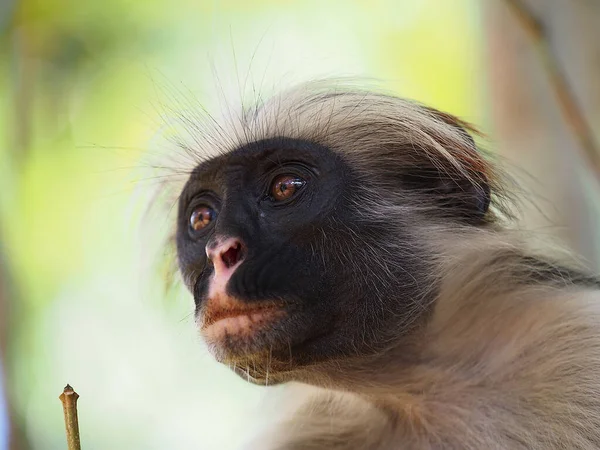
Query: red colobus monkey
(356, 242)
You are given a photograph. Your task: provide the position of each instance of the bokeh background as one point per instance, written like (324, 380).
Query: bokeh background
(86, 86)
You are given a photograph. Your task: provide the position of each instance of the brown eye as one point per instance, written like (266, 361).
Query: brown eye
(285, 186)
(201, 217)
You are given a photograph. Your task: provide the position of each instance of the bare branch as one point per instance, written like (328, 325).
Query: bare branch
(69, 400)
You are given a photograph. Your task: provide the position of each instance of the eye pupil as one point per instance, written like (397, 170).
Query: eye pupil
(285, 186)
(201, 217)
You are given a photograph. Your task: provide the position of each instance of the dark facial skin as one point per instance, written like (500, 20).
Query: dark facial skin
(306, 253)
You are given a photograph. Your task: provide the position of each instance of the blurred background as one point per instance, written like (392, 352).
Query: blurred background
(85, 86)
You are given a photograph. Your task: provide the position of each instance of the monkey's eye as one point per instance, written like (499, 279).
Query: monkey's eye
(202, 217)
(285, 186)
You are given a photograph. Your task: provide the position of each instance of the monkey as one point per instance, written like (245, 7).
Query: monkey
(358, 248)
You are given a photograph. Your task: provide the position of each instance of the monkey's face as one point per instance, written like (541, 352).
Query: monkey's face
(271, 245)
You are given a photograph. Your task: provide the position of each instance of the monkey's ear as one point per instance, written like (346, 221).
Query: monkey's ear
(452, 195)
(462, 193)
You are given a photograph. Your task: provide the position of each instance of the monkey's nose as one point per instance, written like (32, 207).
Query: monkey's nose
(226, 256)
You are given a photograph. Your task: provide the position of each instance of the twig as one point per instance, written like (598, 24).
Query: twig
(69, 400)
(564, 94)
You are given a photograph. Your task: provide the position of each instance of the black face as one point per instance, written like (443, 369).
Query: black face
(303, 254)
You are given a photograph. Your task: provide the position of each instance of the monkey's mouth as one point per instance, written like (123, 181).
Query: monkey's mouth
(226, 317)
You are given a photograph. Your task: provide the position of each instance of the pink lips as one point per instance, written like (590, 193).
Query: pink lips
(225, 315)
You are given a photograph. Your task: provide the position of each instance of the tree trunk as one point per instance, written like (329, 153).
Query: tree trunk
(543, 58)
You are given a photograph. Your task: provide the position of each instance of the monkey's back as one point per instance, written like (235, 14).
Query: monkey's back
(515, 372)
(512, 358)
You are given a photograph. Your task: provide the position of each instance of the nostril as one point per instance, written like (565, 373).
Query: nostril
(232, 255)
